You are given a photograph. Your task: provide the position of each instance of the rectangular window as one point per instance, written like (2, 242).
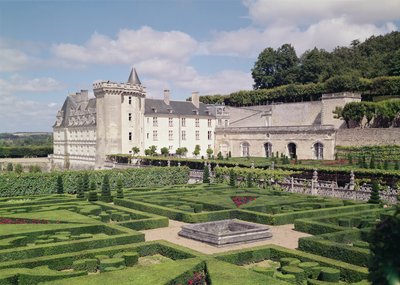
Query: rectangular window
(148, 135)
(183, 135)
(148, 120)
(197, 135)
(219, 122)
(209, 123)
(170, 147)
(130, 136)
(130, 116)
(155, 136)
(170, 135)
(183, 122)
(209, 135)
(197, 123)
(129, 100)
(155, 122)
(170, 122)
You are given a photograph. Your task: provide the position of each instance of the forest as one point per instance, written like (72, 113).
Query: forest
(371, 68)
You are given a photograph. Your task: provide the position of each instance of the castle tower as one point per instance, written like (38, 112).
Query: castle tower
(120, 114)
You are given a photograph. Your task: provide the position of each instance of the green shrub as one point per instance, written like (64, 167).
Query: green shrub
(289, 261)
(298, 273)
(92, 197)
(206, 174)
(131, 258)
(374, 198)
(111, 262)
(308, 267)
(329, 274)
(105, 190)
(290, 278)
(120, 192)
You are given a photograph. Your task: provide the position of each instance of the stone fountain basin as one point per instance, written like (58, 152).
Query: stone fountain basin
(226, 232)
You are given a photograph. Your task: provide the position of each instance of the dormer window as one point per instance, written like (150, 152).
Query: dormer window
(154, 110)
(196, 112)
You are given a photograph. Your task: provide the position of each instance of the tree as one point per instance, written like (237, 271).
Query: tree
(164, 151)
(209, 152)
(275, 68)
(181, 151)
(374, 198)
(85, 182)
(314, 66)
(206, 174)
(385, 248)
(79, 188)
(92, 196)
(60, 185)
(10, 167)
(151, 151)
(18, 168)
(105, 190)
(232, 178)
(120, 191)
(135, 150)
(196, 151)
(219, 156)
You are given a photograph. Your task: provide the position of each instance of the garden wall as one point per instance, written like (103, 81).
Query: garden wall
(368, 136)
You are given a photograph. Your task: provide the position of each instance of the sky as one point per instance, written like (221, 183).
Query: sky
(49, 49)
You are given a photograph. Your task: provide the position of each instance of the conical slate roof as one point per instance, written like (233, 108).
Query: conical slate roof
(134, 78)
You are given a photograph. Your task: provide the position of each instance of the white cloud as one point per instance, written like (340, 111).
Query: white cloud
(130, 46)
(324, 24)
(17, 83)
(13, 60)
(307, 12)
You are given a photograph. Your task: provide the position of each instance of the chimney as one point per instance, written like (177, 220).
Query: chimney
(84, 95)
(166, 96)
(195, 99)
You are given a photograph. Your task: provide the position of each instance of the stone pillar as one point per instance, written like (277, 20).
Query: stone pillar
(252, 164)
(351, 183)
(291, 184)
(272, 165)
(179, 163)
(169, 163)
(314, 183)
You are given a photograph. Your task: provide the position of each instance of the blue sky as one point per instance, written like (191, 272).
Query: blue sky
(49, 49)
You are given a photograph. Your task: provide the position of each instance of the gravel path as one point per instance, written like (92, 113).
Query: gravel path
(281, 235)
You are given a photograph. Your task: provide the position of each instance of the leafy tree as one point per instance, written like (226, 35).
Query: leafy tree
(315, 66)
(79, 188)
(219, 156)
(275, 67)
(385, 248)
(181, 151)
(18, 168)
(249, 180)
(135, 150)
(85, 182)
(374, 198)
(164, 151)
(151, 151)
(60, 185)
(120, 191)
(105, 190)
(10, 167)
(206, 174)
(232, 178)
(196, 151)
(209, 152)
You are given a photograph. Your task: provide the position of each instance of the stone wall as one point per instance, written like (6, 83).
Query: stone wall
(368, 136)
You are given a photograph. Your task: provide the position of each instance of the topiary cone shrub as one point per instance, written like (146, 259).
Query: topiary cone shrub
(92, 196)
(120, 191)
(232, 178)
(85, 182)
(105, 190)
(206, 175)
(60, 186)
(374, 198)
(79, 188)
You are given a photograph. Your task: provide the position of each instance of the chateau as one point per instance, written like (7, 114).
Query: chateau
(120, 117)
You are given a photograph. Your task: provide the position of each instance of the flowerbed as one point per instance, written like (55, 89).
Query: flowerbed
(240, 200)
(8, 221)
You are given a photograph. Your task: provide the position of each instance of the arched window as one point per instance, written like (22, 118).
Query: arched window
(245, 149)
(268, 149)
(318, 150)
(292, 150)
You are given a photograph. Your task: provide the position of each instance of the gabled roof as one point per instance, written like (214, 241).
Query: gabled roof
(183, 108)
(70, 106)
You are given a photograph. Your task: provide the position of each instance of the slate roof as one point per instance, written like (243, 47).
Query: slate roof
(183, 108)
(72, 108)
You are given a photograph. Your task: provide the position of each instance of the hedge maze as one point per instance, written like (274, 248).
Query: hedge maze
(60, 239)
